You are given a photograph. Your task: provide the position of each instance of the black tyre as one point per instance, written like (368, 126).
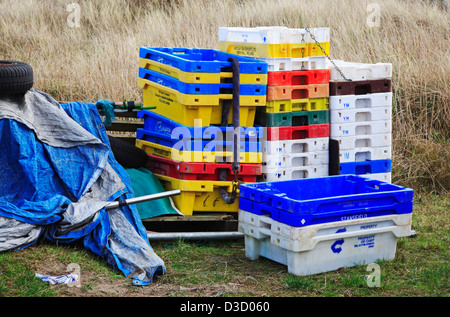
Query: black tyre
(15, 77)
(126, 154)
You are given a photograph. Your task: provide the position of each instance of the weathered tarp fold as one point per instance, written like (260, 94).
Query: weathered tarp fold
(57, 173)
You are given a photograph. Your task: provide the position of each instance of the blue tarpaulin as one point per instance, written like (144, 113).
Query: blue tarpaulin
(57, 173)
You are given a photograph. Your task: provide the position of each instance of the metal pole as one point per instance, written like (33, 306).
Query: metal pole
(141, 199)
(162, 236)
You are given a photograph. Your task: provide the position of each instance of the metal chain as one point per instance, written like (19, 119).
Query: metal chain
(325, 53)
(235, 181)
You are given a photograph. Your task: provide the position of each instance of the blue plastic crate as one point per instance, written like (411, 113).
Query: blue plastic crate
(201, 60)
(188, 144)
(199, 89)
(311, 201)
(366, 167)
(154, 122)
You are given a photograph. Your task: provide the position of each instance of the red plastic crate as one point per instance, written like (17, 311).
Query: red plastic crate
(201, 171)
(300, 132)
(298, 77)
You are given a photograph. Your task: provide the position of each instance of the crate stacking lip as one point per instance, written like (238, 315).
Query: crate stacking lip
(185, 108)
(199, 171)
(200, 88)
(297, 132)
(292, 118)
(360, 87)
(303, 77)
(323, 247)
(303, 202)
(175, 154)
(274, 42)
(200, 77)
(359, 71)
(198, 60)
(199, 196)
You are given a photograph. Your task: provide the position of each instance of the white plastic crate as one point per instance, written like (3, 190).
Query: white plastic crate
(272, 35)
(283, 160)
(290, 64)
(364, 141)
(384, 177)
(295, 172)
(360, 128)
(295, 146)
(359, 71)
(347, 102)
(361, 115)
(365, 154)
(323, 247)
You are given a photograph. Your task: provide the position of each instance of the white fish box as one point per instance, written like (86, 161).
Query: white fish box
(365, 154)
(290, 64)
(359, 71)
(323, 247)
(272, 35)
(361, 115)
(384, 177)
(346, 102)
(360, 128)
(297, 172)
(295, 146)
(364, 141)
(283, 160)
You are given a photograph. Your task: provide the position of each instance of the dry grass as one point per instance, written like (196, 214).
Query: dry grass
(98, 60)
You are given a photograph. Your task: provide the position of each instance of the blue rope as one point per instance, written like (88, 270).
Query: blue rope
(108, 110)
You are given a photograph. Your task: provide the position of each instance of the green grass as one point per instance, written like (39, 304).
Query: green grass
(220, 268)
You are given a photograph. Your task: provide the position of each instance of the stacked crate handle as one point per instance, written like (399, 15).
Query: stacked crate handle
(229, 199)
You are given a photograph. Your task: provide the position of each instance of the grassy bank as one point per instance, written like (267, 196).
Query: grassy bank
(99, 59)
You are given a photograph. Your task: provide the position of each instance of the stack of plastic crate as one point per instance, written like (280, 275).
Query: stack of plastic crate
(323, 224)
(187, 137)
(296, 115)
(361, 117)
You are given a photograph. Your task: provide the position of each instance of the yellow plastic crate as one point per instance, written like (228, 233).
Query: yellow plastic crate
(314, 49)
(292, 50)
(199, 78)
(297, 105)
(196, 156)
(199, 196)
(185, 109)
